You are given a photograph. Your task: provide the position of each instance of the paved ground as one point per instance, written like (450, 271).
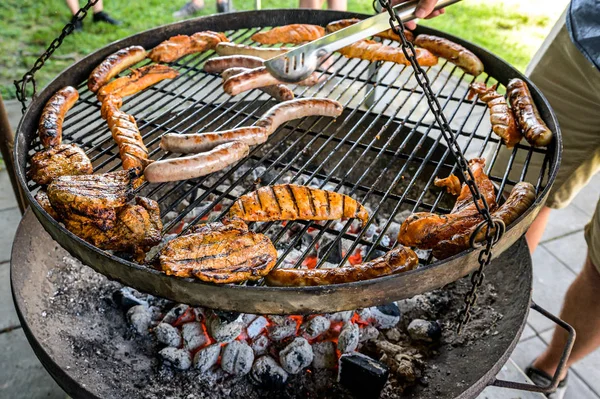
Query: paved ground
(556, 264)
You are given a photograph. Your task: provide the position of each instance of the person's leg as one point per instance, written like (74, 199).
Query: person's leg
(73, 6)
(537, 228)
(189, 9)
(337, 5)
(313, 4)
(98, 7)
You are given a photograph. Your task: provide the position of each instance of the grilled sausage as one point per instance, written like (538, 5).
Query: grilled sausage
(199, 142)
(294, 202)
(451, 183)
(219, 64)
(374, 51)
(138, 80)
(533, 127)
(296, 109)
(197, 165)
(113, 65)
(53, 115)
(178, 46)
(241, 49)
(260, 77)
(399, 259)
(386, 34)
(453, 52)
(501, 117)
(520, 199)
(294, 33)
(279, 92)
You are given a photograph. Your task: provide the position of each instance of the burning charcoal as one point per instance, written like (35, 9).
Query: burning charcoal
(348, 338)
(207, 357)
(176, 312)
(128, 297)
(324, 355)
(237, 358)
(368, 333)
(335, 256)
(260, 345)
(296, 356)
(248, 318)
(371, 231)
(392, 231)
(341, 316)
(167, 335)
(199, 312)
(267, 373)
(317, 326)
(386, 241)
(257, 326)
(178, 358)
(224, 326)
(423, 330)
(140, 317)
(193, 336)
(364, 376)
(385, 316)
(281, 327)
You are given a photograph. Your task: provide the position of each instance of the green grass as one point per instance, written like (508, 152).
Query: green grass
(28, 26)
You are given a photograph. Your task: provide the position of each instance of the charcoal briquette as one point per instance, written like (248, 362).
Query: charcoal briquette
(362, 375)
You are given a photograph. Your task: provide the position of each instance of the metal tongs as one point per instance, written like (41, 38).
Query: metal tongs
(299, 63)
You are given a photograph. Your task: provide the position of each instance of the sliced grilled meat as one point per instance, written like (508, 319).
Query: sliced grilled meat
(219, 253)
(60, 160)
(294, 33)
(374, 51)
(113, 65)
(451, 183)
(138, 80)
(294, 202)
(53, 116)
(178, 46)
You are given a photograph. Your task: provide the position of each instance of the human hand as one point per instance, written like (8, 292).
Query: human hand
(424, 10)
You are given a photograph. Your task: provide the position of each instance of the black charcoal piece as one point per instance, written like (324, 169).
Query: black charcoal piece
(324, 355)
(385, 316)
(364, 376)
(267, 373)
(335, 256)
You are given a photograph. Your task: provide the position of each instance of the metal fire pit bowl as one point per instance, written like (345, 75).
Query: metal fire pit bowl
(384, 132)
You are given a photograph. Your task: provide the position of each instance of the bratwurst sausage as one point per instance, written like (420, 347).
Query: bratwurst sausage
(260, 77)
(453, 52)
(138, 80)
(53, 116)
(219, 64)
(533, 127)
(296, 109)
(241, 49)
(199, 142)
(197, 165)
(113, 65)
(294, 33)
(279, 92)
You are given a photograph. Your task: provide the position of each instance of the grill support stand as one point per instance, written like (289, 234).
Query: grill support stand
(7, 139)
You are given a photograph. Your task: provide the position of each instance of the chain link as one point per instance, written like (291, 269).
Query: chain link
(29, 76)
(494, 228)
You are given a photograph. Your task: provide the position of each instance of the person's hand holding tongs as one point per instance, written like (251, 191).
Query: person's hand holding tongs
(425, 10)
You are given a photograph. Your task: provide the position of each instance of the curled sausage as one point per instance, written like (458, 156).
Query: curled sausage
(533, 127)
(219, 64)
(197, 165)
(375, 51)
(260, 77)
(279, 92)
(199, 142)
(138, 80)
(296, 109)
(178, 46)
(113, 65)
(453, 52)
(399, 259)
(241, 49)
(53, 116)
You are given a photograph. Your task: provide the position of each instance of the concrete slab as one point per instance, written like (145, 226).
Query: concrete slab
(22, 376)
(587, 199)
(7, 195)
(527, 351)
(8, 315)
(528, 332)
(13, 109)
(509, 372)
(565, 221)
(9, 220)
(570, 250)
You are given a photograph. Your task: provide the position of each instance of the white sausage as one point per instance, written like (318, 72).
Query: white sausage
(257, 78)
(219, 64)
(279, 92)
(195, 143)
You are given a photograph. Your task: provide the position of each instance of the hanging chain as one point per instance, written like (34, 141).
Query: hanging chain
(494, 228)
(21, 84)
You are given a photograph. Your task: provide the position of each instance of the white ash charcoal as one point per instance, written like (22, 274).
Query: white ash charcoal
(338, 226)
(364, 314)
(258, 172)
(139, 317)
(364, 376)
(214, 216)
(368, 333)
(193, 336)
(200, 315)
(126, 298)
(224, 326)
(402, 216)
(371, 231)
(256, 327)
(356, 226)
(175, 312)
(385, 316)
(171, 216)
(237, 191)
(178, 358)
(386, 241)
(316, 326)
(281, 327)
(422, 253)
(348, 338)
(237, 358)
(155, 312)
(393, 335)
(260, 345)
(324, 355)
(334, 247)
(167, 335)
(327, 265)
(267, 373)
(248, 318)
(423, 330)
(393, 230)
(296, 356)
(239, 172)
(206, 358)
(341, 316)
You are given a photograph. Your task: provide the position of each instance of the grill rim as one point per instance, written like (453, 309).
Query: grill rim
(167, 285)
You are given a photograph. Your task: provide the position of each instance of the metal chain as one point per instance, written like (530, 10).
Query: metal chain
(494, 227)
(21, 85)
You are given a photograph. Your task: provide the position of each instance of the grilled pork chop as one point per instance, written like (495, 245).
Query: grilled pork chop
(60, 160)
(220, 253)
(293, 202)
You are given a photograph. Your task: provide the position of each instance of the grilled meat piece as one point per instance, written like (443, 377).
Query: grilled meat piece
(138, 80)
(53, 116)
(386, 34)
(451, 183)
(294, 33)
(293, 202)
(60, 160)
(219, 253)
(178, 46)
(399, 259)
(113, 65)
(464, 203)
(42, 198)
(374, 51)
(96, 197)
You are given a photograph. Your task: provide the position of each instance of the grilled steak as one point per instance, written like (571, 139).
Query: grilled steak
(42, 198)
(220, 253)
(293, 202)
(60, 160)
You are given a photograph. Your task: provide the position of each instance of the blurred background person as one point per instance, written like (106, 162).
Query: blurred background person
(193, 7)
(337, 5)
(99, 14)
